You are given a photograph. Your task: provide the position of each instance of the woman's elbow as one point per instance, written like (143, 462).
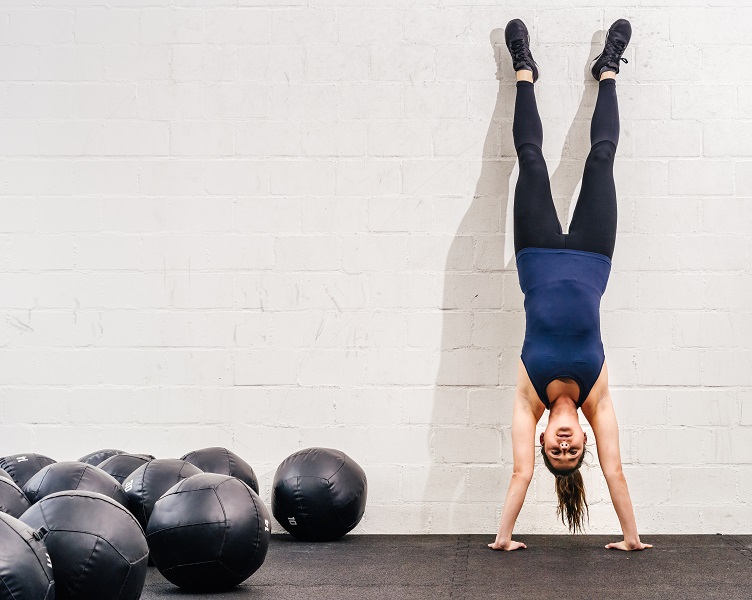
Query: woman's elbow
(613, 473)
(522, 475)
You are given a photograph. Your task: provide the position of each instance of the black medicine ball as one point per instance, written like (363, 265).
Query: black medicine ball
(147, 484)
(209, 532)
(71, 475)
(97, 547)
(22, 467)
(224, 462)
(120, 466)
(12, 500)
(319, 494)
(94, 458)
(25, 567)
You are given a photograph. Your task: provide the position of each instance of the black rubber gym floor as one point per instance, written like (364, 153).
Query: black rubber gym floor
(366, 567)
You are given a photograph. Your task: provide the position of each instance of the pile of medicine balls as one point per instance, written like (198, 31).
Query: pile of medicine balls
(198, 518)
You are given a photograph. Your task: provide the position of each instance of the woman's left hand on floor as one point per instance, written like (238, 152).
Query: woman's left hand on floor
(623, 545)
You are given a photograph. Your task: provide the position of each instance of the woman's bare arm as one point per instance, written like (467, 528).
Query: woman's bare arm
(606, 431)
(523, 450)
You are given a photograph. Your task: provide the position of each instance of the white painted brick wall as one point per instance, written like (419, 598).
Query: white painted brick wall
(272, 224)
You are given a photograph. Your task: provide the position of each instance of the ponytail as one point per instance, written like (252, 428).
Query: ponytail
(570, 491)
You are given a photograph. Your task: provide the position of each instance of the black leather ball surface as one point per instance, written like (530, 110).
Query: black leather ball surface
(71, 475)
(25, 567)
(22, 467)
(97, 547)
(120, 466)
(224, 462)
(98, 456)
(319, 494)
(208, 533)
(12, 499)
(147, 484)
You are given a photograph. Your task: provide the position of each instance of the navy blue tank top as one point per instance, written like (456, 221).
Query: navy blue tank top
(563, 290)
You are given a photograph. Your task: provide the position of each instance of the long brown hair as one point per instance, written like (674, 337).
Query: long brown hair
(570, 490)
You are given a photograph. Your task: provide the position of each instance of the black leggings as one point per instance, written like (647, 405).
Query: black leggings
(593, 226)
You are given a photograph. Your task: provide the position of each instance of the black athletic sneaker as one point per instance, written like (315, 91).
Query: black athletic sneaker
(518, 42)
(617, 39)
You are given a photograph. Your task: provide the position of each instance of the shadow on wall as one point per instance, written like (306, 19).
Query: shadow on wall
(484, 322)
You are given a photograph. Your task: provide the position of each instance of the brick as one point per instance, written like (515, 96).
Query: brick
(668, 138)
(317, 253)
(117, 100)
(391, 62)
(240, 100)
(671, 215)
(106, 26)
(172, 26)
(190, 138)
(74, 63)
(374, 253)
(203, 63)
(334, 139)
(465, 445)
(373, 101)
(20, 63)
(37, 26)
(703, 407)
(670, 446)
(668, 367)
(434, 176)
(435, 100)
(698, 485)
(336, 63)
(702, 101)
(127, 62)
(369, 25)
(306, 26)
(238, 26)
(37, 100)
(367, 177)
(726, 367)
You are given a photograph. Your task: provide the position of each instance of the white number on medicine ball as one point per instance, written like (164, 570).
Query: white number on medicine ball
(128, 486)
(21, 459)
(49, 560)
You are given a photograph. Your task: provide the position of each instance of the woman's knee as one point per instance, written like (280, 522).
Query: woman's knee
(531, 157)
(602, 153)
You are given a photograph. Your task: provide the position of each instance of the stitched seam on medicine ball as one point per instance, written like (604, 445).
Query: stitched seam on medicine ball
(224, 512)
(181, 527)
(125, 579)
(5, 585)
(340, 467)
(41, 482)
(258, 519)
(203, 562)
(80, 477)
(83, 571)
(331, 500)
(229, 461)
(298, 496)
(109, 543)
(142, 495)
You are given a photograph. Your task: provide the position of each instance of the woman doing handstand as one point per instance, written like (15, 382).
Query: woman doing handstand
(563, 276)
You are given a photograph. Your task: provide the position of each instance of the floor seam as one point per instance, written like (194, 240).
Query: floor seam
(458, 583)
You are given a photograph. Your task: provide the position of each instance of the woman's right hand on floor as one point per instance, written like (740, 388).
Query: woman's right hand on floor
(508, 545)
